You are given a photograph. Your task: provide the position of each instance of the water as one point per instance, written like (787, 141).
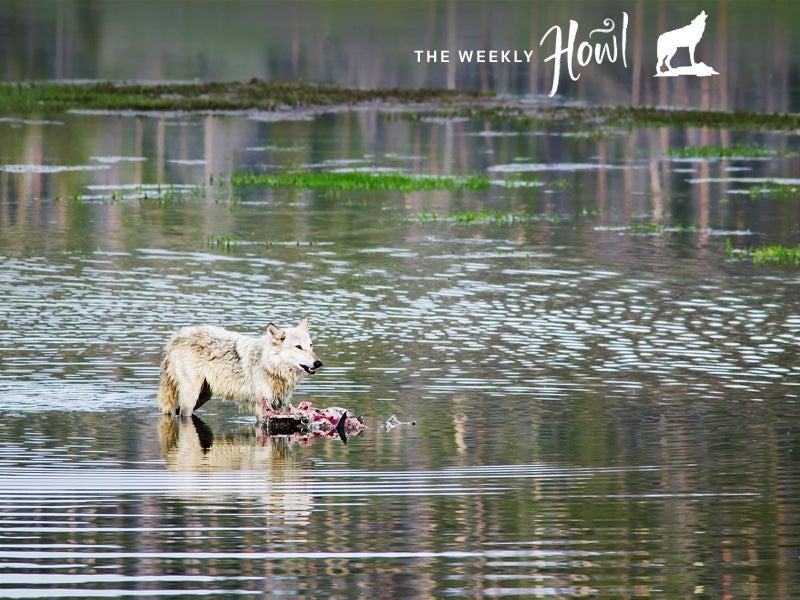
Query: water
(367, 45)
(604, 403)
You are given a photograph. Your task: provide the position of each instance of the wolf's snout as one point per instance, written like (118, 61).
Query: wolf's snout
(313, 368)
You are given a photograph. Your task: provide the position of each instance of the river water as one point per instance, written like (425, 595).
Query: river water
(598, 388)
(604, 402)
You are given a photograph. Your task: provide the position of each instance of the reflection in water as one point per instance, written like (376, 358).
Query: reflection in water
(622, 495)
(251, 464)
(366, 46)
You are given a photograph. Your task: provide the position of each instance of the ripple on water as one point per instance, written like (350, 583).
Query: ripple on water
(461, 326)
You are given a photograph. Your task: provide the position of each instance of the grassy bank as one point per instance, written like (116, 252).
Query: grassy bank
(49, 98)
(44, 97)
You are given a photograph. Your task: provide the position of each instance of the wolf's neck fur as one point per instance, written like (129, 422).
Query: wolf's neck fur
(284, 379)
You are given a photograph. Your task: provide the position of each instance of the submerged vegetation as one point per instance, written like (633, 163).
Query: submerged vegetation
(49, 97)
(350, 181)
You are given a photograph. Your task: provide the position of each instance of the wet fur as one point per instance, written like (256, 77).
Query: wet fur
(206, 360)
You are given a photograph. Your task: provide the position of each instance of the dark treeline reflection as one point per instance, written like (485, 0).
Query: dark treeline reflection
(371, 44)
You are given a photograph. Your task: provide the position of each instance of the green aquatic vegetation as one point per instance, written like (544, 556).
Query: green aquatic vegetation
(650, 228)
(774, 189)
(776, 254)
(739, 150)
(600, 118)
(557, 184)
(660, 228)
(225, 242)
(499, 217)
(359, 181)
(290, 242)
(157, 196)
(483, 217)
(647, 116)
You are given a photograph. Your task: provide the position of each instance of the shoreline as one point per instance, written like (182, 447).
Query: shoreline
(282, 98)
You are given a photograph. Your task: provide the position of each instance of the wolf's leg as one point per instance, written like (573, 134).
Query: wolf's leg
(261, 410)
(167, 389)
(691, 53)
(189, 393)
(668, 58)
(204, 396)
(167, 396)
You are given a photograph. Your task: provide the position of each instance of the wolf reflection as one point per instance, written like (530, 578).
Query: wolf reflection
(213, 467)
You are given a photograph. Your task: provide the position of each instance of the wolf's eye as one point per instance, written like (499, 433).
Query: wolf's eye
(299, 347)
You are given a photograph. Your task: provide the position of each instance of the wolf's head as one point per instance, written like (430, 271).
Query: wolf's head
(294, 348)
(700, 19)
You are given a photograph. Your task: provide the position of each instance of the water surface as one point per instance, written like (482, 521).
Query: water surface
(605, 404)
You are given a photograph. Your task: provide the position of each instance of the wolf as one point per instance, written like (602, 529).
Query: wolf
(685, 37)
(204, 360)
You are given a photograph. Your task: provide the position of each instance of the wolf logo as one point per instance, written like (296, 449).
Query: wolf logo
(685, 37)
(204, 360)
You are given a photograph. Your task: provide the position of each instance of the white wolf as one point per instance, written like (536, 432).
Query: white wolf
(685, 37)
(204, 360)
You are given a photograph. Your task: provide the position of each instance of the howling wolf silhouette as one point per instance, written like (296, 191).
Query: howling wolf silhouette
(684, 37)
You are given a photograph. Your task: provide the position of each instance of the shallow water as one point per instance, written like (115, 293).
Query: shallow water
(605, 404)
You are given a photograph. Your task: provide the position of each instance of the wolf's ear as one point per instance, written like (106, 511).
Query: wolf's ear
(276, 333)
(303, 325)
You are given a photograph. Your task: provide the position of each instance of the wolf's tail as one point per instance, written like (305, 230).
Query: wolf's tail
(167, 389)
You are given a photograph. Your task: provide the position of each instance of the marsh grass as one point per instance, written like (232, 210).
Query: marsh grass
(777, 254)
(647, 116)
(479, 217)
(495, 217)
(660, 228)
(359, 181)
(592, 120)
(774, 189)
(225, 242)
(46, 97)
(739, 150)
